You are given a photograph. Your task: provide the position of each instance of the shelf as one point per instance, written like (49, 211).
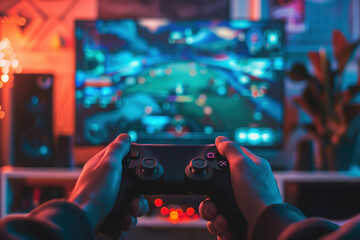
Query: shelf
(12, 178)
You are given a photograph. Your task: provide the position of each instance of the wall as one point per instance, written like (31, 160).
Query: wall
(45, 45)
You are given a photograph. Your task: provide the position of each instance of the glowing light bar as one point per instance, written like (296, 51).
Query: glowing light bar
(254, 136)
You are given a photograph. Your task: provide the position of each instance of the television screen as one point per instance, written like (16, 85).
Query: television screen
(181, 82)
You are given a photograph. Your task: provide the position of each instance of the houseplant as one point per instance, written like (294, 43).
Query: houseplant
(334, 114)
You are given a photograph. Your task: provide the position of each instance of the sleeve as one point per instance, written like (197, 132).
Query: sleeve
(285, 222)
(56, 219)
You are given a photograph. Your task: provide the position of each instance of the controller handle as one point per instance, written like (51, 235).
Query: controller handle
(114, 221)
(135, 179)
(224, 199)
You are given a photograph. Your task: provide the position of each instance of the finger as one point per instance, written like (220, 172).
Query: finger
(123, 235)
(225, 236)
(114, 153)
(139, 206)
(136, 205)
(130, 222)
(256, 159)
(120, 146)
(231, 151)
(207, 210)
(145, 206)
(218, 226)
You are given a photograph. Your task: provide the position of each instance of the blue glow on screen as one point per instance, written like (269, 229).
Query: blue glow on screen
(166, 81)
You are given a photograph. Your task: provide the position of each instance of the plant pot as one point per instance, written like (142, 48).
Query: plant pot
(336, 157)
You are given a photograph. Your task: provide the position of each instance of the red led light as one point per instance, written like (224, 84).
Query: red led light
(164, 211)
(180, 212)
(158, 202)
(190, 211)
(174, 216)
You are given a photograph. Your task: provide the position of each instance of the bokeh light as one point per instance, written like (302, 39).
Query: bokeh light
(8, 64)
(158, 202)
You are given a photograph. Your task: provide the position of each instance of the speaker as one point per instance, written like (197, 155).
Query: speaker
(32, 120)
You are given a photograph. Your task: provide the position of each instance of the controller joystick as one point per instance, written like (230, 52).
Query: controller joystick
(149, 169)
(199, 166)
(167, 169)
(198, 170)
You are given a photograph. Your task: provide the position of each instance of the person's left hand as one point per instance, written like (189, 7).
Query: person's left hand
(98, 185)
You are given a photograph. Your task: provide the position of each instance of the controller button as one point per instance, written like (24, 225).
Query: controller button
(198, 166)
(134, 155)
(223, 164)
(210, 156)
(220, 157)
(149, 166)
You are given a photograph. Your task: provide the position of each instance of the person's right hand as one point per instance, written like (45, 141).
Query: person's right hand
(253, 184)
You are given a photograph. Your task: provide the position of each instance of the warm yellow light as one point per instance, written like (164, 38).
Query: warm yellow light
(2, 63)
(1, 85)
(14, 63)
(3, 45)
(2, 114)
(4, 78)
(18, 69)
(22, 21)
(5, 70)
(174, 215)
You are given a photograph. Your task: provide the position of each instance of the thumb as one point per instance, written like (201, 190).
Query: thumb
(234, 153)
(117, 150)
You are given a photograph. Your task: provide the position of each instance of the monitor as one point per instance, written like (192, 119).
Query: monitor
(179, 81)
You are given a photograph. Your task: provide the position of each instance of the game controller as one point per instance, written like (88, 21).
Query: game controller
(177, 170)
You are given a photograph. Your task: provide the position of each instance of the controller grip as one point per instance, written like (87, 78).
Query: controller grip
(224, 200)
(113, 224)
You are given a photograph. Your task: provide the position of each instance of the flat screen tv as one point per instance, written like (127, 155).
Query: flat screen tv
(181, 82)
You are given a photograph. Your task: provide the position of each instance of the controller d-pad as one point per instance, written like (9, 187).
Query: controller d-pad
(220, 157)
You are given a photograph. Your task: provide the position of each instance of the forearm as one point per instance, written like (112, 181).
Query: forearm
(283, 221)
(57, 219)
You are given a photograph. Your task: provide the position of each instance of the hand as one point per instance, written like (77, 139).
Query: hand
(98, 185)
(253, 184)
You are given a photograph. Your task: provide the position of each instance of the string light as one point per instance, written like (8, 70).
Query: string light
(8, 64)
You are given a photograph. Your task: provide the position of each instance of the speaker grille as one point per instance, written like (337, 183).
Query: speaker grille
(32, 120)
